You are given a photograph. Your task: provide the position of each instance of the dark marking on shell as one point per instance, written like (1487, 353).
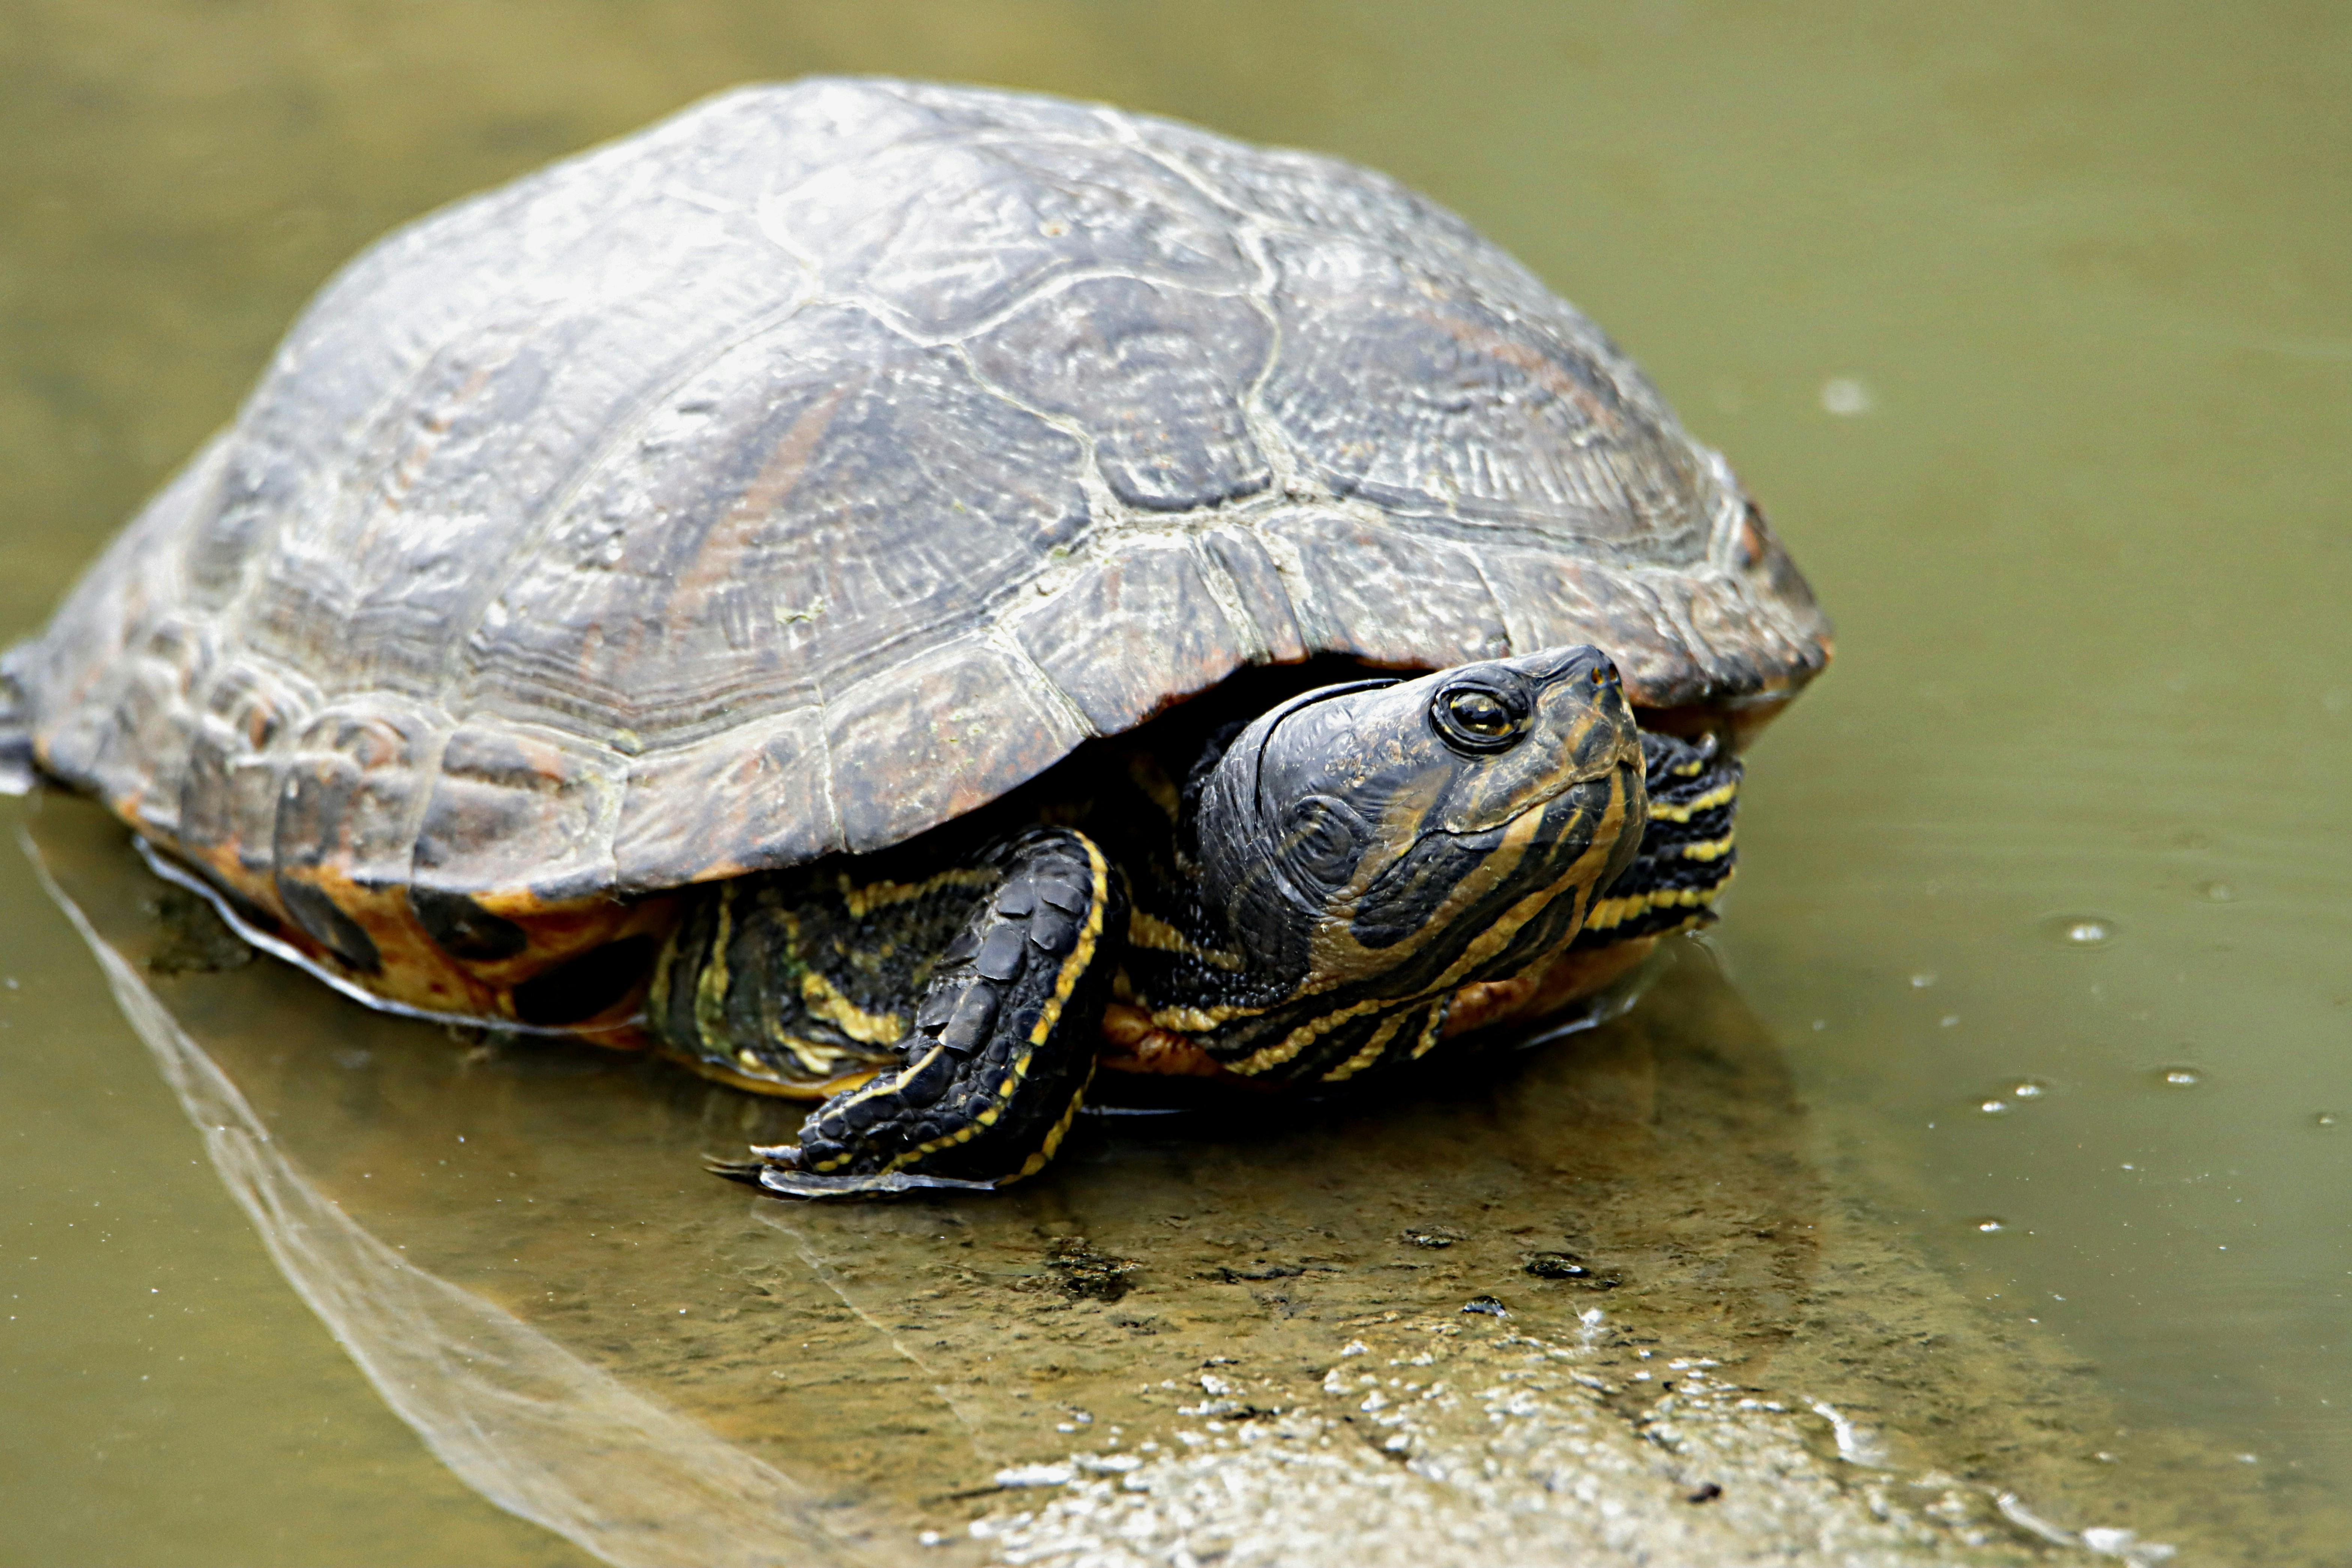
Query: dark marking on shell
(315, 913)
(464, 929)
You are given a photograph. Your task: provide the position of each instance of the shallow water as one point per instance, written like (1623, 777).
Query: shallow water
(2032, 333)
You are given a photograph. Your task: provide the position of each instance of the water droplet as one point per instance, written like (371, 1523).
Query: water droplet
(1846, 396)
(2217, 892)
(1921, 981)
(1994, 1108)
(1990, 1226)
(2325, 1118)
(2080, 931)
(2028, 1089)
(2180, 1077)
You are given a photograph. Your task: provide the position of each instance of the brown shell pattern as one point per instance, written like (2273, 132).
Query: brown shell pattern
(819, 464)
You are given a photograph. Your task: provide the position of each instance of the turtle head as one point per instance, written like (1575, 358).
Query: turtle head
(1393, 838)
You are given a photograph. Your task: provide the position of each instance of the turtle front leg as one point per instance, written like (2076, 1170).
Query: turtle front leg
(1003, 1045)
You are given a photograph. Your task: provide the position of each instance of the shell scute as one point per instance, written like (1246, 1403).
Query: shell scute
(743, 800)
(1311, 192)
(515, 812)
(946, 734)
(1386, 595)
(942, 234)
(1549, 599)
(1154, 373)
(1409, 391)
(348, 790)
(1135, 634)
(1257, 592)
(227, 781)
(830, 495)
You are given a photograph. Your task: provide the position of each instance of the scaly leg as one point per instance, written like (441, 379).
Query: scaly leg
(1003, 1045)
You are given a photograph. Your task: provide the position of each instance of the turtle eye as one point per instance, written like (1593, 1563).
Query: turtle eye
(1479, 712)
(1478, 719)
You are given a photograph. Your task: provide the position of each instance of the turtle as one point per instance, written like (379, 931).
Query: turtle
(911, 595)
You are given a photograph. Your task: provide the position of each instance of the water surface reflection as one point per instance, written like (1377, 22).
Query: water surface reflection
(1613, 1254)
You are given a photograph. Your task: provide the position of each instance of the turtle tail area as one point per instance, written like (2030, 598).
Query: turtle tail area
(17, 770)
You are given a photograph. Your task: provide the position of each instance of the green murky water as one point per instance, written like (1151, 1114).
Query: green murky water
(2035, 333)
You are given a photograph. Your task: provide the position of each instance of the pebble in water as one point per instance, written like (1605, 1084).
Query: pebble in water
(2028, 1089)
(2080, 931)
(1994, 1107)
(2325, 1118)
(2180, 1077)
(1989, 1226)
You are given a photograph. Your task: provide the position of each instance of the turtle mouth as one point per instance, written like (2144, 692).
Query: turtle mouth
(1538, 802)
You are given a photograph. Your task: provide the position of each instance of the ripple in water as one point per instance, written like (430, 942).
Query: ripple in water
(2080, 931)
(2014, 1095)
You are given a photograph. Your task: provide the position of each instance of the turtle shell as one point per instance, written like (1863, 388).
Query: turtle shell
(820, 464)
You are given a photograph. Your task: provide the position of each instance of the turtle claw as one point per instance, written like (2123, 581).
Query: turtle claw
(791, 1184)
(775, 1168)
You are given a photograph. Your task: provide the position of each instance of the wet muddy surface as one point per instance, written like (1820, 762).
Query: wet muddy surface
(1978, 1190)
(1594, 1300)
